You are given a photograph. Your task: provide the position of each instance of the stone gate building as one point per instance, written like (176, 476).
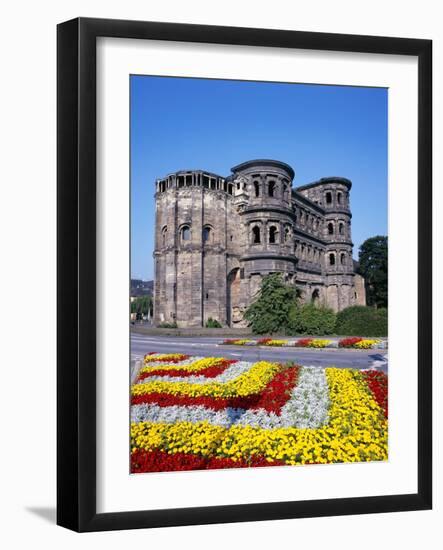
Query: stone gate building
(216, 237)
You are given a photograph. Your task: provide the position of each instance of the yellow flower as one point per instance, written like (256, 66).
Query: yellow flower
(252, 381)
(317, 343)
(356, 430)
(366, 344)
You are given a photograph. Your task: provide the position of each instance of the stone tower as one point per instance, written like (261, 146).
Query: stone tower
(216, 238)
(263, 195)
(332, 194)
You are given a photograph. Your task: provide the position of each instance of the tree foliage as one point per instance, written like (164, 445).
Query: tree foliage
(373, 266)
(311, 319)
(362, 321)
(141, 305)
(277, 310)
(269, 313)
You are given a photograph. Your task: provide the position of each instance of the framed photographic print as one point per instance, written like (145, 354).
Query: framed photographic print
(244, 261)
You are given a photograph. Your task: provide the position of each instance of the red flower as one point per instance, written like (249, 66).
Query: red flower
(209, 372)
(263, 341)
(272, 398)
(177, 359)
(277, 391)
(349, 342)
(378, 385)
(303, 342)
(161, 461)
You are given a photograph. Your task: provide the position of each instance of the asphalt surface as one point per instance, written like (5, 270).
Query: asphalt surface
(209, 347)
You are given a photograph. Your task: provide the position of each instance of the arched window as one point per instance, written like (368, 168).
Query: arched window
(330, 228)
(257, 188)
(256, 234)
(186, 233)
(331, 258)
(342, 258)
(273, 231)
(207, 234)
(328, 197)
(339, 198)
(164, 235)
(315, 296)
(271, 188)
(340, 228)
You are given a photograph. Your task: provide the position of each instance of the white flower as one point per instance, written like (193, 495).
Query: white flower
(307, 407)
(233, 371)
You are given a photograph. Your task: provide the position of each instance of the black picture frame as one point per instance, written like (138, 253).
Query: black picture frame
(76, 265)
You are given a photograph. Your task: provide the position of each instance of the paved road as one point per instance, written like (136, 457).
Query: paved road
(207, 346)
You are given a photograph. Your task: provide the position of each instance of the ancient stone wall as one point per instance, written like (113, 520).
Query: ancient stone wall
(216, 238)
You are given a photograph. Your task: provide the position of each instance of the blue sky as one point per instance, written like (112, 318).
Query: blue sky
(183, 123)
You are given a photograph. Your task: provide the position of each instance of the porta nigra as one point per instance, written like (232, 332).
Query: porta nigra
(217, 237)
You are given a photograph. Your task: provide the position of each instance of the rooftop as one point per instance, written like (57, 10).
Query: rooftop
(323, 181)
(264, 162)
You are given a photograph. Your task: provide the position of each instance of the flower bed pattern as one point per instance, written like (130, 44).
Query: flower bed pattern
(354, 342)
(206, 413)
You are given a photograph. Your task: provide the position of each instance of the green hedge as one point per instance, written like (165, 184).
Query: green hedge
(212, 323)
(362, 321)
(167, 325)
(312, 320)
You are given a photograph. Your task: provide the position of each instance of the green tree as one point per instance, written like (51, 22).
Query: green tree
(141, 305)
(373, 266)
(145, 304)
(269, 313)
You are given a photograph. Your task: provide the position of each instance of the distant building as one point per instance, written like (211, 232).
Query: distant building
(141, 288)
(216, 238)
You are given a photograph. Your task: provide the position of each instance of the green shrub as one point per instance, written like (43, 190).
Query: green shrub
(362, 321)
(167, 325)
(312, 320)
(270, 311)
(212, 323)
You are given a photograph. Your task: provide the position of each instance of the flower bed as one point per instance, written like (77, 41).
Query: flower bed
(349, 342)
(366, 344)
(354, 342)
(239, 342)
(206, 413)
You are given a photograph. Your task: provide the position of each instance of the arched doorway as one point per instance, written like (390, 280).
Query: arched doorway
(233, 296)
(315, 297)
